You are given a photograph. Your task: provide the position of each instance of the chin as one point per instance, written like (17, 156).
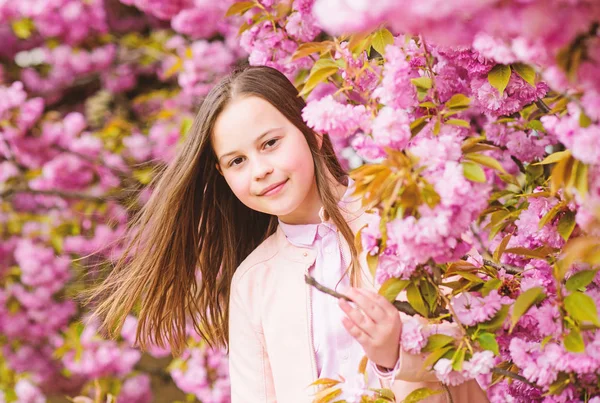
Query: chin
(280, 209)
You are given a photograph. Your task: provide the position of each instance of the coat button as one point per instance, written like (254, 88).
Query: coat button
(305, 254)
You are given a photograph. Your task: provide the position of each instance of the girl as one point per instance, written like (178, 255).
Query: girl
(255, 200)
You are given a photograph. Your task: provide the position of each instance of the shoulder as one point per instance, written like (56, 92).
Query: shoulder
(258, 259)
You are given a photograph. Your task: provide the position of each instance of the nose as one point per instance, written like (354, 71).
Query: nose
(261, 168)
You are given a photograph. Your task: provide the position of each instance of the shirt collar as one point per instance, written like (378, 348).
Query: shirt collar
(305, 234)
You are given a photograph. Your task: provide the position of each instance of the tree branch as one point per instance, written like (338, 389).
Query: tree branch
(401, 306)
(509, 374)
(508, 268)
(64, 194)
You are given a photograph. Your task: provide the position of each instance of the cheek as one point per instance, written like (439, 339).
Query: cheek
(238, 185)
(300, 161)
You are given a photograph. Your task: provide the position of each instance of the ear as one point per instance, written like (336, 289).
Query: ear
(219, 168)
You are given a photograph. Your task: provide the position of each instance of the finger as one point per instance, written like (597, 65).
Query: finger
(368, 305)
(381, 301)
(357, 317)
(355, 331)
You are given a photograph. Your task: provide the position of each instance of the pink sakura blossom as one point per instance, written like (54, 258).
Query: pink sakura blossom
(480, 363)
(529, 234)
(366, 147)
(193, 376)
(334, 118)
(391, 128)
(445, 373)
(302, 27)
(413, 337)
(396, 90)
(136, 389)
(28, 393)
(471, 309)
(138, 146)
(339, 16)
(201, 21)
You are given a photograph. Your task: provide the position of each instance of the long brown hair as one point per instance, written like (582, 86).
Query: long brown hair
(193, 221)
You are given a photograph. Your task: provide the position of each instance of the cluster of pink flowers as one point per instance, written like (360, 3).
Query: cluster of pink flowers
(203, 63)
(202, 371)
(58, 166)
(584, 142)
(71, 21)
(33, 313)
(327, 115)
(64, 64)
(414, 241)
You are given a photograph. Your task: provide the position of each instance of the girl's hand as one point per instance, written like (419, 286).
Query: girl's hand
(375, 324)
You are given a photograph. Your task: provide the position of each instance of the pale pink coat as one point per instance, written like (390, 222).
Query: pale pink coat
(271, 355)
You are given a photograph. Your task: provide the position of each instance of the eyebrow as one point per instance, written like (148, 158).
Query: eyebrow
(255, 141)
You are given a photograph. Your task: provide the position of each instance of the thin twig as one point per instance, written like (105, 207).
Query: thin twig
(401, 306)
(508, 268)
(448, 392)
(542, 106)
(487, 259)
(510, 374)
(311, 281)
(64, 194)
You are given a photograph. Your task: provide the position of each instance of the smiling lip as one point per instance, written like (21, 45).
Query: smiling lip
(273, 189)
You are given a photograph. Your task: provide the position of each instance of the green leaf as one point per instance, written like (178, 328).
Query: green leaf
(239, 8)
(385, 394)
(560, 384)
(392, 287)
(372, 261)
(584, 120)
(458, 102)
(418, 125)
(458, 122)
(549, 216)
(498, 77)
(381, 39)
(492, 284)
(497, 321)
(416, 300)
(472, 277)
(582, 308)
(432, 358)
(524, 302)
(580, 279)
(501, 247)
(321, 71)
(429, 293)
(574, 342)
(526, 72)
(143, 175)
(554, 157)
(473, 171)
(309, 48)
(423, 83)
(419, 394)
(485, 160)
(437, 341)
(458, 359)
(566, 225)
(23, 28)
(487, 341)
(536, 125)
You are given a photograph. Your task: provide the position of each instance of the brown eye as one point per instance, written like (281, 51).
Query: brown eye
(236, 161)
(271, 143)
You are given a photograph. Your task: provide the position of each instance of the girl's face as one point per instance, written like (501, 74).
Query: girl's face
(266, 160)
